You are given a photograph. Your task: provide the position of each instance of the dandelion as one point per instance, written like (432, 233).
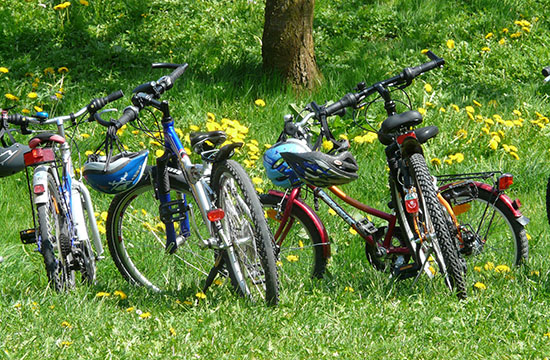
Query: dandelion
(489, 35)
(65, 343)
(504, 30)
(84, 2)
(428, 88)
(85, 136)
(257, 180)
(470, 109)
(493, 144)
(435, 162)
(66, 324)
(11, 97)
(172, 331)
(489, 266)
(477, 103)
(459, 157)
(461, 134)
(424, 51)
(38, 109)
(62, 70)
(451, 44)
(502, 269)
(502, 41)
(102, 294)
(159, 153)
(422, 111)
(349, 289)
(130, 309)
(485, 49)
(120, 294)
(104, 215)
(480, 286)
(4, 70)
(352, 231)
(49, 70)
(515, 35)
(279, 263)
(514, 155)
(218, 282)
(535, 273)
(547, 335)
(442, 109)
(259, 102)
(455, 107)
(145, 315)
(477, 268)
(62, 6)
(210, 116)
(327, 145)
(331, 212)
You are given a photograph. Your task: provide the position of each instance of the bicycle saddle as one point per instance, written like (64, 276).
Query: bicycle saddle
(406, 119)
(45, 138)
(199, 139)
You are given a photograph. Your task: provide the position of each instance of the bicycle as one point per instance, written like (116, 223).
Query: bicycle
(165, 201)
(62, 210)
(481, 217)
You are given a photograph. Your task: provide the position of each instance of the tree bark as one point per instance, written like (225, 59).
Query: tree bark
(287, 42)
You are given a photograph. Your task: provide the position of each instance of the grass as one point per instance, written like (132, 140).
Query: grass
(355, 312)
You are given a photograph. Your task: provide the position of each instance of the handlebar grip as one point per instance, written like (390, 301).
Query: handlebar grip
(17, 119)
(98, 103)
(411, 72)
(130, 114)
(546, 71)
(347, 100)
(175, 75)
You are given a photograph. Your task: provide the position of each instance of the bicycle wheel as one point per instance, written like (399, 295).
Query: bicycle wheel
(245, 224)
(300, 250)
(55, 244)
(434, 215)
(136, 240)
(489, 230)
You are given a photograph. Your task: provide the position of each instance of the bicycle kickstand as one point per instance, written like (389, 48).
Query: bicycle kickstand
(213, 272)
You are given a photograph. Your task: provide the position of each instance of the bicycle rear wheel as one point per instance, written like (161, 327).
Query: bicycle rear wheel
(489, 229)
(300, 250)
(136, 240)
(249, 234)
(434, 217)
(54, 242)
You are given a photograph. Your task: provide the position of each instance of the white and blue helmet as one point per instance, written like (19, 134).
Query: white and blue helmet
(276, 167)
(123, 172)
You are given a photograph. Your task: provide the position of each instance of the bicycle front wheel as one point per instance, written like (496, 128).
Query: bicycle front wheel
(445, 244)
(300, 249)
(249, 236)
(489, 229)
(54, 242)
(136, 240)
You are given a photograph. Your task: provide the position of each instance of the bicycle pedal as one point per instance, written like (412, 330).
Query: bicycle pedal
(28, 236)
(173, 211)
(406, 271)
(367, 226)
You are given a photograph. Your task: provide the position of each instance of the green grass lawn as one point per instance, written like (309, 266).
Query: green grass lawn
(489, 101)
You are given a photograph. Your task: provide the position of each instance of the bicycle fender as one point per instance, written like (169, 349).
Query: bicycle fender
(520, 218)
(40, 180)
(314, 218)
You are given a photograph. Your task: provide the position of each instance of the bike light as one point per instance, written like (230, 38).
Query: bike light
(36, 156)
(505, 181)
(215, 215)
(39, 189)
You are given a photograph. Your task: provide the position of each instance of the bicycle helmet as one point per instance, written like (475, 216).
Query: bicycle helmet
(11, 159)
(319, 169)
(275, 166)
(123, 172)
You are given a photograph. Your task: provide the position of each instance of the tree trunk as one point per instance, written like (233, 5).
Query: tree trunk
(287, 42)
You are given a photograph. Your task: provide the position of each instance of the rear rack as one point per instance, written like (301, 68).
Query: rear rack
(468, 176)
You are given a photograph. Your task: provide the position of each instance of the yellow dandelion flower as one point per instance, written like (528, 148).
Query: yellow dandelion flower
(104, 215)
(477, 268)
(424, 51)
(257, 180)
(489, 121)
(449, 161)
(38, 109)
(172, 331)
(130, 309)
(84, 2)
(65, 343)
(535, 273)
(429, 104)
(442, 109)
(327, 145)
(159, 153)
(477, 103)
(502, 269)
(480, 286)
(49, 70)
(459, 157)
(101, 229)
(11, 97)
(485, 49)
(292, 258)
(218, 282)
(514, 155)
(279, 263)
(455, 107)
(470, 116)
(259, 102)
(200, 295)
(145, 315)
(120, 294)
(210, 116)
(4, 70)
(489, 35)
(435, 162)
(349, 289)
(428, 88)
(352, 231)
(515, 35)
(516, 112)
(506, 147)
(450, 44)
(32, 95)
(470, 109)
(422, 111)
(493, 144)
(26, 111)
(502, 41)
(489, 266)
(66, 324)
(331, 212)
(85, 136)
(504, 30)
(102, 294)
(509, 123)
(62, 70)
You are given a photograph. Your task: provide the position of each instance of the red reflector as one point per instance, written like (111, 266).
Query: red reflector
(505, 181)
(215, 214)
(36, 156)
(401, 138)
(39, 189)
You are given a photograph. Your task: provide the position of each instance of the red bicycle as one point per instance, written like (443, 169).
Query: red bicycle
(427, 226)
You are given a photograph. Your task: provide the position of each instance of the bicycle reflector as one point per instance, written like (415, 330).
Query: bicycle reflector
(505, 181)
(215, 215)
(38, 155)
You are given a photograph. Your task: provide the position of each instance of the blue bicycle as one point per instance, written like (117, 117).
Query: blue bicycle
(154, 230)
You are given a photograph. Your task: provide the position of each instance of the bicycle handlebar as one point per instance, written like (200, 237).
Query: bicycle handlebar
(405, 77)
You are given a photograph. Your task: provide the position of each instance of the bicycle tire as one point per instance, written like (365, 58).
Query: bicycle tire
(244, 219)
(135, 238)
(293, 254)
(490, 230)
(449, 249)
(54, 241)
